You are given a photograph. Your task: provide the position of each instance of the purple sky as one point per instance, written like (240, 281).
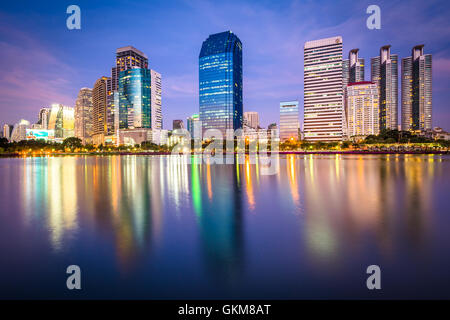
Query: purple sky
(42, 62)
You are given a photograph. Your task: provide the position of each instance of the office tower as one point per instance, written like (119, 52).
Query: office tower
(417, 91)
(362, 111)
(289, 120)
(44, 115)
(99, 110)
(192, 123)
(177, 124)
(7, 130)
(155, 100)
(352, 68)
(19, 131)
(62, 121)
(220, 82)
(111, 107)
(83, 114)
(384, 73)
(352, 71)
(323, 96)
(127, 58)
(134, 98)
(251, 119)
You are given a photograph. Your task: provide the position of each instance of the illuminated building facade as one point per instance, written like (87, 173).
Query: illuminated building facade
(19, 131)
(62, 121)
(362, 111)
(134, 98)
(384, 73)
(220, 82)
(192, 123)
(83, 114)
(289, 120)
(127, 58)
(44, 115)
(99, 110)
(156, 100)
(417, 91)
(323, 94)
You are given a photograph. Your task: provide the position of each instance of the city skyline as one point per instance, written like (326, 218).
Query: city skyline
(79, 69)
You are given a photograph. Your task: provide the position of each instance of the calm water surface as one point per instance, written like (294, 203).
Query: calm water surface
(158, 227)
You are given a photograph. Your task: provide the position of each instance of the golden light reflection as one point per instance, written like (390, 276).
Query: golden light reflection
(249, 185)
(292, 175)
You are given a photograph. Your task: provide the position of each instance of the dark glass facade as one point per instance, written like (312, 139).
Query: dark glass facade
(220, 82)
(134, 98)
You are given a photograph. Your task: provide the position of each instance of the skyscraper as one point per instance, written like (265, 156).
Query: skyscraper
(417, 91)
(289, 121)
(83, 114)
(220, 82)
(384, 73)
(19, 131)
(99, 110)
(353, 68)
(126, 58)
(155, 100)
(192, 122)
(7, 130)
(134, 98)
(44, 115)
(362, 111)
(323, 95)
(251, 119)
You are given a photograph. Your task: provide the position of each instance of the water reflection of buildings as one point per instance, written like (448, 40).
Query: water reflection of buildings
(362, 199)
(126, 199)
(216, 199)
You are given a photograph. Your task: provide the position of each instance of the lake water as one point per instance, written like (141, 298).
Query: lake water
(158, 227)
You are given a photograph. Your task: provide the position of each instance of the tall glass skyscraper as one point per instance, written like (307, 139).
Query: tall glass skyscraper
(134, 98)
(220, 82)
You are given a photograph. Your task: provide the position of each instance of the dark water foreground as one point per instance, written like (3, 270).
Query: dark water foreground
(158, 227)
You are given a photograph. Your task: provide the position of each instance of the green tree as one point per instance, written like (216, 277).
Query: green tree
(72, 143)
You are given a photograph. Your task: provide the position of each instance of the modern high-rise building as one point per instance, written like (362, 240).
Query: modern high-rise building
(220, 82)
(384, 73)
(19, 131)
(177, 124)
(352, 71)
(417, 91)
(251, 119)
(83, 114)
(62, 121)
(44, 115)
(155, 101)
(127, 58)
(323, 94)
(7, 130)
(362, 111)
(99, 110)
(353, 68)
(134, 98)
(193, 122)
(289, 120)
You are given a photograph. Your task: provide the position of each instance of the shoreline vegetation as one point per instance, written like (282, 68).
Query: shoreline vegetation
(387, 142)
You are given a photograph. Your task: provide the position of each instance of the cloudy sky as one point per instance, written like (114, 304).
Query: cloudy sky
(42, 62)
